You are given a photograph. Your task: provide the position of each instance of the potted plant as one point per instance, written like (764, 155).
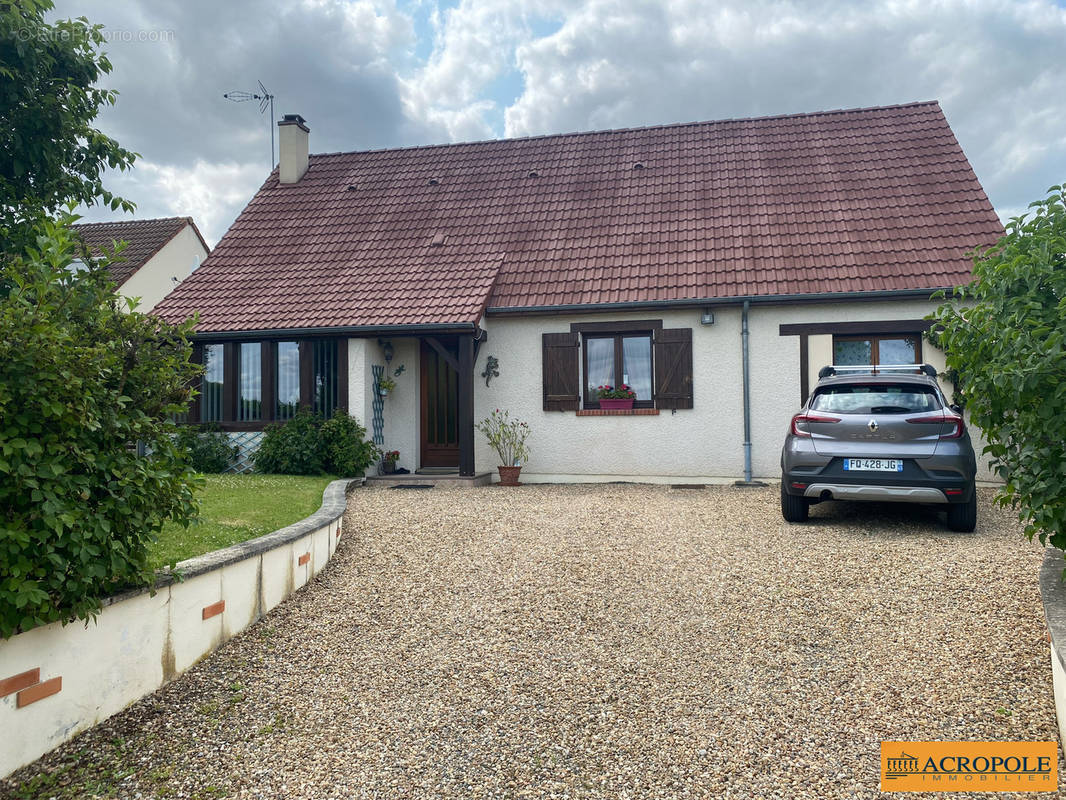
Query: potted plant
(508, 438)
(388, 461)
(612, 398)
(387, 382)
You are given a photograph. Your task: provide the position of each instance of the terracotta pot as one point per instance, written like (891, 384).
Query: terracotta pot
(509, 475)
(616, 404)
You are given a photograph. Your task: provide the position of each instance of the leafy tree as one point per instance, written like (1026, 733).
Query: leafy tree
(51, 156)
(1004, 334)
(82, 382)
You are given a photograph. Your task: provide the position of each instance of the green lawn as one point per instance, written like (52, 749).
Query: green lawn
(235, 508)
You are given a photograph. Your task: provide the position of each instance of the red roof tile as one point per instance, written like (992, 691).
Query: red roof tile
(842, 201)
(144, 238)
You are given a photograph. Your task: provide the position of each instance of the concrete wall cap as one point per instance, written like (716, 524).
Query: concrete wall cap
(1053, 592)
(334, 502)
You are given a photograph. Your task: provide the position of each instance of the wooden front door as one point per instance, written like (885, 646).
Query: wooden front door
(440, 406)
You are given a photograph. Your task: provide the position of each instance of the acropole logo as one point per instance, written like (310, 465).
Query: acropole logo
(969, 766)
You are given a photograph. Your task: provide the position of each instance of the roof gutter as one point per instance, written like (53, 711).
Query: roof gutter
(773, 299)
(354, 331)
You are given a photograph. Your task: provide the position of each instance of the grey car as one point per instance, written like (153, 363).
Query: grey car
(884, 435)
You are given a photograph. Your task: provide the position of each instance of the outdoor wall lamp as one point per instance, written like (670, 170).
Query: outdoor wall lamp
(387, 347)
(706, 317)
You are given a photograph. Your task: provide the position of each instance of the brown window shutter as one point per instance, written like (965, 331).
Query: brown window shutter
(560, 371)
(673, 368)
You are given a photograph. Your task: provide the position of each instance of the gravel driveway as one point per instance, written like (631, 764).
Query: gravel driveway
(598, 641)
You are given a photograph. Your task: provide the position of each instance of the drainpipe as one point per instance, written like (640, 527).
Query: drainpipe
(747, 398)
(747, 391)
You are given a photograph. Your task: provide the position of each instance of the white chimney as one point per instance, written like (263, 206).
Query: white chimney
(292, 141)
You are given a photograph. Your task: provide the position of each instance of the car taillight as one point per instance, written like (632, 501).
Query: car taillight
(804, 418)
(942, 419)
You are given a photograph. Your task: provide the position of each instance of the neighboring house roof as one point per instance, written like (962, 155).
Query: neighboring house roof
(835, 202)
(144, 238)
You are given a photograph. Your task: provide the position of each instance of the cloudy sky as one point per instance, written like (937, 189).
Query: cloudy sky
(387, 73)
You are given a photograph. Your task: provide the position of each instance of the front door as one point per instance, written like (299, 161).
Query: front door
(440, 406)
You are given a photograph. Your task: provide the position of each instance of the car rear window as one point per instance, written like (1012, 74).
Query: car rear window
(876, 398)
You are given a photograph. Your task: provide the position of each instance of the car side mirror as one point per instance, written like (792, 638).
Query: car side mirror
(955, 407)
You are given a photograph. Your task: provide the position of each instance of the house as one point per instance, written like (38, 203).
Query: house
(159, 254)
(713, 266)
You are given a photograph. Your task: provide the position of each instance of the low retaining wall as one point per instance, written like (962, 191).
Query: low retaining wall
(1053, 590)
(56, 681)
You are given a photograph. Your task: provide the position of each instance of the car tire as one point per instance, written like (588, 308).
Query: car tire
(793, 509)
(962, 517)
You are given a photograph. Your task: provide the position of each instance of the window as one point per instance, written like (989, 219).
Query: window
(250, 382)
(247, 385)
(287, 372)
(325, 371)
(875, 399)
(655, 361)
(616, 359)
(211, 387)
(857, 351)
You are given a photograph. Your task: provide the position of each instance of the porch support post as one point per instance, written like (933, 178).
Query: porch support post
(466, 405)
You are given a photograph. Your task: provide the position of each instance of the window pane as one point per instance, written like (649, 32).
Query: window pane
(250, 382)
(600, 364)
(902, 350)
(853, 353)
(211, 387)
(325, 365)
(288, 378)
(636, 368)
(875, 399)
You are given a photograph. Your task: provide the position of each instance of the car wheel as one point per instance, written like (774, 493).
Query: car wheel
(793, 509)
(963, 516)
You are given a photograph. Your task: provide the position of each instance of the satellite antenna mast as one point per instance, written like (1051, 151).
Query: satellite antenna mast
(265, 99)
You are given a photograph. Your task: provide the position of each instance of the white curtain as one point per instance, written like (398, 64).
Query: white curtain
(636, 359)
(601, 364)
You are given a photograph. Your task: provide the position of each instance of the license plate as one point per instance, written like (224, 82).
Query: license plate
(873, 464)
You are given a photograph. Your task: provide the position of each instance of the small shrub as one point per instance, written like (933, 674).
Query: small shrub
(347, 452)
(293, 448)
(208, 447)
(307, 445)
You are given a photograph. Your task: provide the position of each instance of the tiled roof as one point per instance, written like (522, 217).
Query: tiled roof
(144, 238)
(844, 201)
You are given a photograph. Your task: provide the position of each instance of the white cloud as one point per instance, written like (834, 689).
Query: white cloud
(521, 67)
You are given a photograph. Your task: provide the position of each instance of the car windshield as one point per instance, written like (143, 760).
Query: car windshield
(876, 398)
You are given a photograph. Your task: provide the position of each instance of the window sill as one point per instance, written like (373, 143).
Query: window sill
(618, 412)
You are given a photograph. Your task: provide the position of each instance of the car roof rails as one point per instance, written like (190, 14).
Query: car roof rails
(833, 369)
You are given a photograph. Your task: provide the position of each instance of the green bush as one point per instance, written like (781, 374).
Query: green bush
(82, 379)
(292, 448)
(1004, 335)
(307, 445)
(209, 449)
(347, 452)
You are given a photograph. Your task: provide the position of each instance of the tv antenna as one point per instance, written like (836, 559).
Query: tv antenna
(265, 99)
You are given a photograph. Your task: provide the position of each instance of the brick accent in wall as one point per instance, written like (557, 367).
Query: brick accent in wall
(39, 691)
(304, 559)
(618, 412)
(214, 609)
(21, 681)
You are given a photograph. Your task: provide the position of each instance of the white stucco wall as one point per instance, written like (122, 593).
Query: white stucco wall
(702, 444)
(176, 259)
(401, 412)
